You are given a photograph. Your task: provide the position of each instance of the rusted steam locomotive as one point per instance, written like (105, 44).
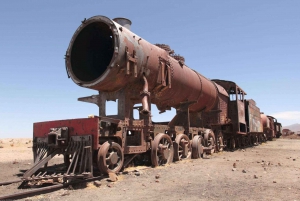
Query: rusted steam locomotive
(106, 56)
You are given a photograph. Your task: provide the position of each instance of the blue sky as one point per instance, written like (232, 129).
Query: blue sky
(254, 43)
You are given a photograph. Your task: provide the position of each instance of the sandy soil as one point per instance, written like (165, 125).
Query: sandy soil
(270, 171)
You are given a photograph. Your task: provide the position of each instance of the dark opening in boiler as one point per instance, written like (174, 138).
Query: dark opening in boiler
(92, 51)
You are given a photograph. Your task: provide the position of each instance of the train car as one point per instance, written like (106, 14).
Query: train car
(277, 126)
(242, 126)
(104, 55)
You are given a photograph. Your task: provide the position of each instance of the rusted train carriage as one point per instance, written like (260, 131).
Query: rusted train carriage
(106, 56)
(271, 127)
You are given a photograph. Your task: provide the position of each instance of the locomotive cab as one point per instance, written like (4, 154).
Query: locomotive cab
(236, 106)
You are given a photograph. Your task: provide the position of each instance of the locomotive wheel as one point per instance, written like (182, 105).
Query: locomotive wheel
(162, 150)
(209, 141)
(265, 137)
(110, 158)
(182, 147)
(220, 142)
(256, 140)
(232, 143)
(197, 148)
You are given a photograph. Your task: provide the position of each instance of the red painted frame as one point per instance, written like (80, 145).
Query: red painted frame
(80, 127)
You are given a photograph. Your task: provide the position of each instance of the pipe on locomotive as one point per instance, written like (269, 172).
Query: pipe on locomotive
(106, 56)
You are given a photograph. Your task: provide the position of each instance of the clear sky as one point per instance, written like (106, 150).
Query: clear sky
(253, 43)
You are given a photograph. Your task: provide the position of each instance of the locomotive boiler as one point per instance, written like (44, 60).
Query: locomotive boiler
(104, 55)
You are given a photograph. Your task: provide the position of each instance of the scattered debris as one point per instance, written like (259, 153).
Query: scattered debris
(157, 176)
(294, 159)
(255, 177)
(15, 162)
(279, 164)
(233, 169)
(112, 177)
(97, 183)
(274, 181)
(234, 165)
(244, 171)
(65, 193)
(1, 146)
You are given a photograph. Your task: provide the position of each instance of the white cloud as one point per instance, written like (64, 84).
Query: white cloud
(288, 115)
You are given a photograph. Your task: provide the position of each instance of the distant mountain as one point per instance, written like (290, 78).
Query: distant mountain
(293, 127)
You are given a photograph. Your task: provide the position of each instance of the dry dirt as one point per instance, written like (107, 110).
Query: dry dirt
(270, 171)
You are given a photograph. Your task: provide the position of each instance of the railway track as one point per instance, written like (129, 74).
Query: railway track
(41, 190)
(48, 189)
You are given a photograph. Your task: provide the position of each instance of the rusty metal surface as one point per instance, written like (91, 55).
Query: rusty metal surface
(253, 116)
(113, 72)
(265, 120)
(268, 126)
(277, 126)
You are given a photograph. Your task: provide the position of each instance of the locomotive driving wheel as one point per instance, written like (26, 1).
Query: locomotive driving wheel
(182, 147)
(220, 142)
(162, 150)
(110, 158)
(265, 137)
(209, 141)
(197, 148)
(232, 143)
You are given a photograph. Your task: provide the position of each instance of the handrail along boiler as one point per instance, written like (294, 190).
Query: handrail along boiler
(106, 56)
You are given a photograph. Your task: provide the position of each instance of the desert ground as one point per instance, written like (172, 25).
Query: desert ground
(270, 171)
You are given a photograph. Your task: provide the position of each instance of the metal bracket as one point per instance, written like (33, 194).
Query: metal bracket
(131, 59)
(182, 117)
(164, 73)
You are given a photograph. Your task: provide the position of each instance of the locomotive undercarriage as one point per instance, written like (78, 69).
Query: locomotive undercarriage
(107, 144)
(118, 146)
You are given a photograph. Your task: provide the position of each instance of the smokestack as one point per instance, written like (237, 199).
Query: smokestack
(123, 22)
